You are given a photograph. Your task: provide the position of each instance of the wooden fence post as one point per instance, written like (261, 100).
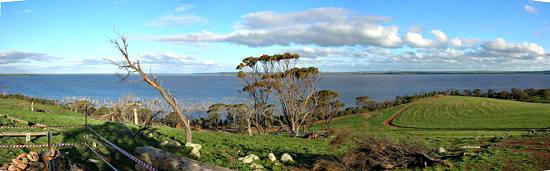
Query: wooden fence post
(136, 119)
(28, 137)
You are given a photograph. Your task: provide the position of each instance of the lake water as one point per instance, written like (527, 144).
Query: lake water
(221, 88)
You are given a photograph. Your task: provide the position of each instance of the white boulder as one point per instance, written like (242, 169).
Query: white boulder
(255, 166)
(195, 149)
(441, 150)
(249, 159)
(285, 158)
(191, 145)
(271, 157)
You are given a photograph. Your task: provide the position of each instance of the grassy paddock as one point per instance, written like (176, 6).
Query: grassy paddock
(474, 112)
(223, 149)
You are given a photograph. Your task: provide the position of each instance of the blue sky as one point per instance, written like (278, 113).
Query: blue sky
(179, 36)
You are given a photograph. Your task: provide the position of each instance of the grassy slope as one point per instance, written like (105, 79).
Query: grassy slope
(474, 112)
(495, 158)
(223, 148)
(218, 148)
(361, 122)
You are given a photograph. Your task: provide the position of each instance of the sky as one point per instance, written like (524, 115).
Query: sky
(202, 36)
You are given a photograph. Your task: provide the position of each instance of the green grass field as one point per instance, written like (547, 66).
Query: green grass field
(223, 149)
(474, 112)
(220, 149)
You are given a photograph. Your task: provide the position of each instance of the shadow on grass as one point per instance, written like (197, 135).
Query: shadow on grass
(117, 133)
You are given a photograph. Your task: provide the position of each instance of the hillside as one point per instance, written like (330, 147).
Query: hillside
(218, 148)
(222, 149)
(474, 112)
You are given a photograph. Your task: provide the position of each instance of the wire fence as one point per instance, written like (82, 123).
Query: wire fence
(88, 129)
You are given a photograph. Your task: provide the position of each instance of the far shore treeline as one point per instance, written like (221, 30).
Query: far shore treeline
(223, 116)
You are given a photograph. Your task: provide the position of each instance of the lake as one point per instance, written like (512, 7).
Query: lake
(222, 88)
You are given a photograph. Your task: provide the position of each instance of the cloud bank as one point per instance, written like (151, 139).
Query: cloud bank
(330, 33)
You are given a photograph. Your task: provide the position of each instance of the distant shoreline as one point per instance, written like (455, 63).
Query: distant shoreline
(323, 73)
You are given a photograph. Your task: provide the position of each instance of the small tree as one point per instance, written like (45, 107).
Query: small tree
(364, 102)
(467, 93)
(240, 115)
(132, 66)
(491, 93)
(326, 106)
(477, 92)
(291, 87)
(215, 114)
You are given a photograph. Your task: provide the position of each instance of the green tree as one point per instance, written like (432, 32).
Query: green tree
(362, 101)
(215, 114)
(278, 76)
(326, 106)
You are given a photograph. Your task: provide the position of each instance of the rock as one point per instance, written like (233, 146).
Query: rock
(249, 159)
(285, 158)
(271, 157)
(163, 143)
(195, 149)
(441, 150)
(255, 166)
(191, 145)
(195, 153)
(173, 143)
(163, 160)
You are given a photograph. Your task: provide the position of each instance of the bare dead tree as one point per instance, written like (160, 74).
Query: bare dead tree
(132, 66)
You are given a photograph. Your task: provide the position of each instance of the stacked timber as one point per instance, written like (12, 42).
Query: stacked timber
(35, 161)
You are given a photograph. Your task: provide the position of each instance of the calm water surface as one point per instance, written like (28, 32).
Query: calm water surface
(220, 88)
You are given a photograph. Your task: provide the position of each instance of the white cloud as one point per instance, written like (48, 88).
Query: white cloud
(170, 62)
(178, 18)
(456, 42)
(500, 45)
(544, 1)
(336, 36)
(417, 40)
(530, 9)
(13, 57)
(415, 29)
(440, 36)
(319, 26)
(185, 20)
(327, 52)
(183, 8)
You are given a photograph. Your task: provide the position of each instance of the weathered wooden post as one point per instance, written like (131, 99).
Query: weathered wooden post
(28, 137)
(86, 119)
(49, 139)
(32, 106)
(136, 119)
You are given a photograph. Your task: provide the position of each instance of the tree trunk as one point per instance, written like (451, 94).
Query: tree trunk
(260, 130)
(248, 129)
(136, 119)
